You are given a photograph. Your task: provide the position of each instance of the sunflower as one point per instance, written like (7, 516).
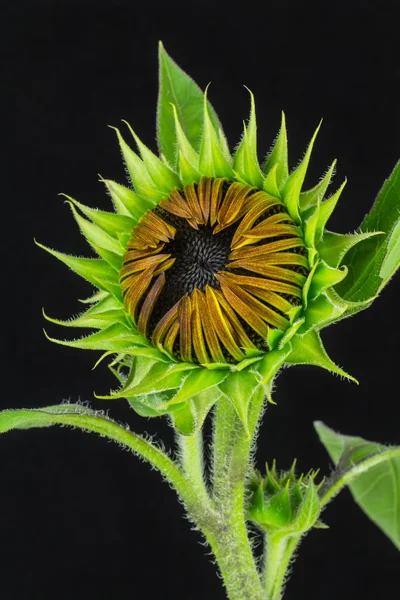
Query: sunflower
(213, 271)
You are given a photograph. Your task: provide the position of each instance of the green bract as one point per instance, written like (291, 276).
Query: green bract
(192, 145)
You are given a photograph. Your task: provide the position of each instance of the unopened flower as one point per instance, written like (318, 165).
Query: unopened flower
(213, 270)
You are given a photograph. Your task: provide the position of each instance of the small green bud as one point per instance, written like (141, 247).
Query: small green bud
(281, 502)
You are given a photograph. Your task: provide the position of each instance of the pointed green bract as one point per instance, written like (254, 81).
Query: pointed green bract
(94, 270)
(309, 350)
(212, 161)
(176, 87)
(138, 172)
(189, 417)
(239, 388)
(113, 337)
(245, 161)
(292, 188)
(110, 223)
(163, 177)
(279, 156)
(125, 201)
(316, 194)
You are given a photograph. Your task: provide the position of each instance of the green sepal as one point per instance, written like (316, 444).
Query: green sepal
(277, 513)
(176, 87)
(374, 261)
(292, 188)
(113, 259)
(270, 184)
(212, 160)
(326, 208)
(308, 350)
(310, 220)
(183, 144)
(306, 287)
(328, 308)
(138, 172)
(316, 194)
(335, 246)
(223, 142)
(279, 156)
(245, 161)
(113, 337)
(239, 387)
(111, 286)
(110, 223)
(147, 406)
(96, 297)
(325, 277)
(98, 316)
(279, 339)
(95, 235)
(269, 366)
(159, 378)
(187, 172)
(189, 418)
(163, 177)
(94, 270)
(196, 382)
(126, 201)
(308, 511)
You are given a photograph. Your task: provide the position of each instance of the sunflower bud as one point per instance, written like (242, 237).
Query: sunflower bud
(213, 270)
(281, 502)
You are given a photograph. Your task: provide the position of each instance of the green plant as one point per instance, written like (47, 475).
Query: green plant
(213, 272)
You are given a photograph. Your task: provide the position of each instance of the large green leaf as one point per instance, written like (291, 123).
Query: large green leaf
(372, 472)
(177, 88)
(374, 261)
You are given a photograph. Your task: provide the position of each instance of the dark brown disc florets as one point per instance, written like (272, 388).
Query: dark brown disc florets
(211, 268)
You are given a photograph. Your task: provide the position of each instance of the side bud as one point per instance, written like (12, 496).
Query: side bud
(283, 503)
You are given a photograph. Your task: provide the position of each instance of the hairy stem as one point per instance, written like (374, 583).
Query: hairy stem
(90, 420)
(278, 553)
(192, 460)
(232, 549)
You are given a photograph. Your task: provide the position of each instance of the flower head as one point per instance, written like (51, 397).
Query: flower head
(212, 272)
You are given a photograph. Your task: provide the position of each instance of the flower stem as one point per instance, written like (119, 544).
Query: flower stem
(192, 460)
(232, 549)
(278, 553)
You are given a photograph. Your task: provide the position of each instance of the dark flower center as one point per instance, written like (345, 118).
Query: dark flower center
(211, 269)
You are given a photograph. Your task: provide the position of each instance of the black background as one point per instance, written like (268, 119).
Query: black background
(80, 517)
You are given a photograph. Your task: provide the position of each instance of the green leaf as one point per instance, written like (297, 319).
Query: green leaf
(374, 261)
(178, 88)
(335, 246)
(372, 472)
